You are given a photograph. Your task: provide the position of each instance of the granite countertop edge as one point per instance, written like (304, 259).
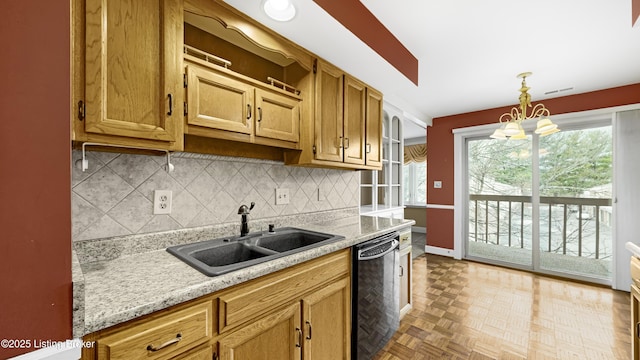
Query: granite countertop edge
(100, 316)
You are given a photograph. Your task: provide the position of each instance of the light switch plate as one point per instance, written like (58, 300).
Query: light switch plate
(282, 196)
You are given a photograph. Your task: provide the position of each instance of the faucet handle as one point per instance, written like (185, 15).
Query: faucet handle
(244, 210)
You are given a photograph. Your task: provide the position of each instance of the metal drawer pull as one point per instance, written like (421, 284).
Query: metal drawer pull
(309, 324)
(259, 114)
(248, 111)
(170, 105)
(401, 271)
(638, 329)
(299, 337)
(150, 347)
(368, 148)
(347, 140)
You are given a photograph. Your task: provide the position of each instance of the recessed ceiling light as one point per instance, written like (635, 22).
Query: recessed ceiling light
(279, 10)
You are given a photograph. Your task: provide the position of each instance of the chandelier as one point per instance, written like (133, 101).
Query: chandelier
(511, 122)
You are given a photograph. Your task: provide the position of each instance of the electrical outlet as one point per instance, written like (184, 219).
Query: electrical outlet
(437, 184)
(282, 196)
(162, 202)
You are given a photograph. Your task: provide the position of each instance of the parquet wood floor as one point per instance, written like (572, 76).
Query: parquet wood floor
(467, 310)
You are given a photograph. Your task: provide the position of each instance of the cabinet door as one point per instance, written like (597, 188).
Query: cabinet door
(405, 281)
(327, 322)
(635, 322)
(218, 102)
(328, 112)
(133, 85)
(276, 336)
(277, 116)
(354, 121)
(373, 146)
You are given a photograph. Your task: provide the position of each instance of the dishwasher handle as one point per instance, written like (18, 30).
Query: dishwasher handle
(362, 253)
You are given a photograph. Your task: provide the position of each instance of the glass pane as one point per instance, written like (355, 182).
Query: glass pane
(499, 182)
(366, 177)
(383, 196)
(395, 195)
(395, 174)
(382, 175)
(575, 202)
(395, 151)
(421, 183)
(366, 196)
(396, 129)
(406, 187)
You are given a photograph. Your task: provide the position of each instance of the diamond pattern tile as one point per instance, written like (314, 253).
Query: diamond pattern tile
(115, 196)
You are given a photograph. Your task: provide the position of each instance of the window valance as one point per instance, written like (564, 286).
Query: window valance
(415, 153)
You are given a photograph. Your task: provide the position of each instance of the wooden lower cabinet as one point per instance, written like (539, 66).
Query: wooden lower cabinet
(275, 336)
(405, 273)
(302, 312)
(635, 322)
(327, 322)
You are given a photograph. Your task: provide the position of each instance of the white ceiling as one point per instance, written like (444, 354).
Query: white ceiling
(470, 51)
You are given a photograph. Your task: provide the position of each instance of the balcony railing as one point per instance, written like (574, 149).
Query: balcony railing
(569, 226)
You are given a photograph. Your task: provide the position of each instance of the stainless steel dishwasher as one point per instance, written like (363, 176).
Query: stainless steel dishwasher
(375, 295)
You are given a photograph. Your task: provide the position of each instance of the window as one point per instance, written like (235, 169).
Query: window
(415, 183)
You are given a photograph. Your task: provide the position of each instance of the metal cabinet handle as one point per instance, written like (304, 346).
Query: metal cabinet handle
(215, 356)
(638, 329)
(170, 105)
(308, 324)
(259, 114)
(248, 111)
(347, 140)
(298, 344)
(401, 271)
(368, 148)
(150, 347)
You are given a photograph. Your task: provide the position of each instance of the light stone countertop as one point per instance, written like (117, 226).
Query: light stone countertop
(127, 287)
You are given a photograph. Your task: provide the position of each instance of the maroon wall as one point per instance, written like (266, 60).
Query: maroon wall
(440, 161)
(35, 210)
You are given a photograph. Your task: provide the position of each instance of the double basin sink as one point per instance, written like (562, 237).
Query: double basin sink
(220, 256)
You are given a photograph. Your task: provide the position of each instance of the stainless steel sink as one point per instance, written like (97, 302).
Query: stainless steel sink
(220, 256)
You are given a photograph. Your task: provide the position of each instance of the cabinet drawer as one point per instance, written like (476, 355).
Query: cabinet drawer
(635, 270)
(405, 239)
(161, 337)
(261, 295)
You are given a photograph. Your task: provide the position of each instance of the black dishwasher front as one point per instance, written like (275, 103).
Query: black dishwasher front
(376, 295)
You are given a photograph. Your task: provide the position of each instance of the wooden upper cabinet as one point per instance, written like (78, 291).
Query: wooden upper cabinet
(277, 116)
(217, 101)
(133, 76)
(328, 113)
(354, 120)
(373, 127)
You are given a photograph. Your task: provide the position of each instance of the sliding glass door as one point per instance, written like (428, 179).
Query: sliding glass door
(542, 203)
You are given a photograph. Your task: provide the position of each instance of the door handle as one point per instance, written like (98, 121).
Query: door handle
(298, 344)
(152, 348)
(170, 105)
(309, 325)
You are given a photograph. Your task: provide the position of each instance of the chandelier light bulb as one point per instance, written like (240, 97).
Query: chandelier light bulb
(512, 128)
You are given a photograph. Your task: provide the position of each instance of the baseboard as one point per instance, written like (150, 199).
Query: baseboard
(438, 251)
(419, 229)
(63, 350)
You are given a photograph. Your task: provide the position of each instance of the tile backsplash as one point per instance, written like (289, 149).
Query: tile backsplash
(114, 197)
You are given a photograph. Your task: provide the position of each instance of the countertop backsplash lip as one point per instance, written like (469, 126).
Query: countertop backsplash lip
(124, 287)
